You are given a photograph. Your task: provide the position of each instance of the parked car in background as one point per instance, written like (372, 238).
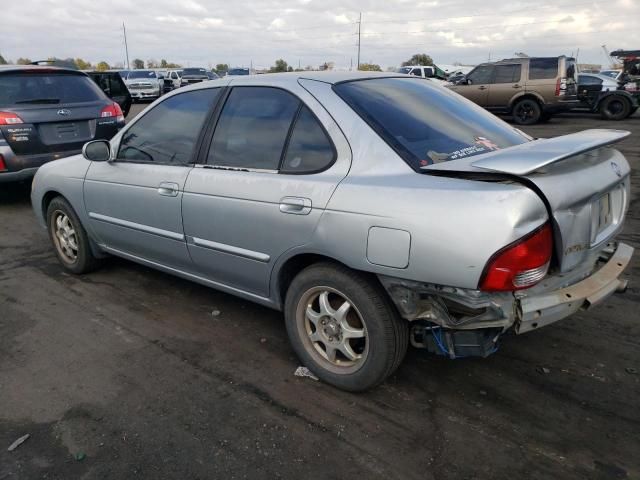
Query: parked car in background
(238, 71)
(47, 113)
(313, 193)
(604, 95)
(615, 74)
(428, 71)
(529, 89)
(174, 76)
(112, 84)
(145, 84)
(212, 75)
(193, 75)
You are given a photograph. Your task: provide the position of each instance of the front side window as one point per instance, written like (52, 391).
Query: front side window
(309, 149)
(168, 133)
(506, 74)
(543, 68)
(425, 123)
(480, 75)
(417, 72)
(252, 129)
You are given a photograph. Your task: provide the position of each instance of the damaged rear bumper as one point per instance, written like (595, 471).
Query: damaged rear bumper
(542, 309)
(555, 298)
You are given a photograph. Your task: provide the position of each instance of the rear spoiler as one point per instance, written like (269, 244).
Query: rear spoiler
(531, 156)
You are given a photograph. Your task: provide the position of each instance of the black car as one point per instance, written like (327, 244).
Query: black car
(606, 96)
(47, 113)
(112, 84)
(196, 75)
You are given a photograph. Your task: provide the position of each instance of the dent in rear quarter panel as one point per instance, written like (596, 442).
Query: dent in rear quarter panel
(66, 177)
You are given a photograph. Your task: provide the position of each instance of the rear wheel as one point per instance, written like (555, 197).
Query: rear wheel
(69, 238)
(526, 112)
(615, 107)
(343, 327)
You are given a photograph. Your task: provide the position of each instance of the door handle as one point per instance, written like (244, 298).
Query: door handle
(295, 205)
(515, 86)
(482, 87)
(169, 189)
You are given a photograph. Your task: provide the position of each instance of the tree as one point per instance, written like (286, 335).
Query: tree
(222, 68)
(137, 63)
(370, 67)
(418, 59)
(3, 61)
(102, 66)
(327, 66)
(280, 66)
(151, 63)
(82, 64)
(23, 61)
(163, 63)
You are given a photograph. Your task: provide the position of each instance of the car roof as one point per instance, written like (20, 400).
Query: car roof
(33, 68)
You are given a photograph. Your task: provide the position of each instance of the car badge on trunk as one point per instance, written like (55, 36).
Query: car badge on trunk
(616, 169)
(64, 112)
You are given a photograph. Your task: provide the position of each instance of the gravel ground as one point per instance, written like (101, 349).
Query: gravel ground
(126, 373)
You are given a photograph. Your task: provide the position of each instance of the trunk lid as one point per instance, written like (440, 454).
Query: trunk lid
(584, 184)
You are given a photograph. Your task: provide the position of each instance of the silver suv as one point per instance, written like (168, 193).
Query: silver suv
(373, 209)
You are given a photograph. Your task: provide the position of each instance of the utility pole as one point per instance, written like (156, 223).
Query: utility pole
(359, 27)
(126, 48)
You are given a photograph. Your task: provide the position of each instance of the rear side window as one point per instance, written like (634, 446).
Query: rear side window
(543, 68)
(37, 88)
(168, 133)
(253, 128)
(425, 123)
(507, 73)
(309, 149)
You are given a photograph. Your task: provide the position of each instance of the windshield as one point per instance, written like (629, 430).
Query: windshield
(53, 89)
(194, 71)
(610, 73)
(426, 123)
(238, 71)
(141, 74)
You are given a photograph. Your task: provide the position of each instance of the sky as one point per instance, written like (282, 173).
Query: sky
(311, 32)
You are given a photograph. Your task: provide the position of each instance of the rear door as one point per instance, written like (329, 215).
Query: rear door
(505, 84)
(134, 202)
(270, 170)
(58, 111)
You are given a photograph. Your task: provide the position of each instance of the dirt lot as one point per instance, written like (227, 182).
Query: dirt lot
(126, 373)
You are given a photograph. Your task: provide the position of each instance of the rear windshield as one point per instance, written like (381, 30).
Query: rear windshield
(570, 68)
(36, 88)
(194, 71)
(426, 123)
(141, 74)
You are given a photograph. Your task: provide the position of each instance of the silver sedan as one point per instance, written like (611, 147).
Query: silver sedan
(375, 210)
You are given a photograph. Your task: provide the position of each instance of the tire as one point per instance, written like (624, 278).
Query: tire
(526, 112)
(615, 107)
(69, 238)
(371, 331)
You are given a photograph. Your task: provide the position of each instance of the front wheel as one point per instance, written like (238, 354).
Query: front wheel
(526, 112)
(343, 327)
(69, 238)
(615, 107)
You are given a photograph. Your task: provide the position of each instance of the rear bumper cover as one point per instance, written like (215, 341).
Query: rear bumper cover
(540, 310)
(23, 167)
(462, 309)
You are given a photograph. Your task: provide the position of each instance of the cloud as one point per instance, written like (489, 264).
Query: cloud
(203, 32)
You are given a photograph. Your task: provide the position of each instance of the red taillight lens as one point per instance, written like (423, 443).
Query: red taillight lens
(3, 166)
(520, 265)
(112, 110)
(561, 87)
(9, 118)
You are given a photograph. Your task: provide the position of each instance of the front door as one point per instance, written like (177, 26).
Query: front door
(505, 84)
(269, 173)
(475, 87)
(134, 201)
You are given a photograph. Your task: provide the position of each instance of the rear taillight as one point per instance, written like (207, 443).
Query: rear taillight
(521, 264)
(9, 118)
(561, 87)
(3, 166)
(112, 110)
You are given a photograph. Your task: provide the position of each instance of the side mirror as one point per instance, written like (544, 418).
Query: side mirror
(97, 151)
